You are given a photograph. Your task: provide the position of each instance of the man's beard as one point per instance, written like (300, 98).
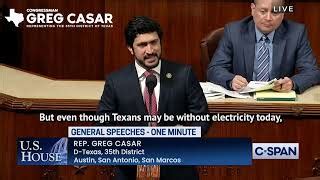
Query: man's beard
(143, 64)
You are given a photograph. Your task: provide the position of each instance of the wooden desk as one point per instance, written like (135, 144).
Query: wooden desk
(24, 95)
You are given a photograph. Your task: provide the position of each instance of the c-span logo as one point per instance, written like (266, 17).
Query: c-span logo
(275, 150)
(16, 18)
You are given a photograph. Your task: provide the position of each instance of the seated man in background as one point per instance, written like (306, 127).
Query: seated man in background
(176, 90)
(263, 47)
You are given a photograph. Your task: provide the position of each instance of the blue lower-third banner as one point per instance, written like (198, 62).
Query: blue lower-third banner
(135, 151)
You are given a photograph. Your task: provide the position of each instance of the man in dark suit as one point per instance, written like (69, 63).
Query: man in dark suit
(263, 47)
(177, 91)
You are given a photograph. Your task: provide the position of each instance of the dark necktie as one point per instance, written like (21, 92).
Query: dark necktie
(153, 110)
(263, 60)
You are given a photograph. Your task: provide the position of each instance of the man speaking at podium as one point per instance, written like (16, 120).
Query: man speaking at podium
(151, 85)
(263, 47)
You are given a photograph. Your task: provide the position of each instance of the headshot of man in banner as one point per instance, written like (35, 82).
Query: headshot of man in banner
(152, 85)
(262, 47)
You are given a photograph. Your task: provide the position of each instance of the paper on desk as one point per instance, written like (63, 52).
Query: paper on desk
(255, 86)
(213, 90)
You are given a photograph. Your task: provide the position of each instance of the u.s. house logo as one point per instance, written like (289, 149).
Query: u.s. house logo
(52, 18)
(42, 151)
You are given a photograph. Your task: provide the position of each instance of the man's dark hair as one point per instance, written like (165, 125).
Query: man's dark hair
(140, 25)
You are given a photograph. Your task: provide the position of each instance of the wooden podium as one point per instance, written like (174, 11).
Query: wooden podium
(148, 172)
(24, 95)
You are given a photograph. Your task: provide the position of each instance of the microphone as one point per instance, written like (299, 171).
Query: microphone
(151, 82)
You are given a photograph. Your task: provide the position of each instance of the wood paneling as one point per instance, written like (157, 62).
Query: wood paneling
(69, 53)
(92, 53)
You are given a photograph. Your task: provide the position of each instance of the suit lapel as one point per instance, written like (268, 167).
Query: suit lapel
(135, 90)
(165, 84)
(249, 48)
(279, 44)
